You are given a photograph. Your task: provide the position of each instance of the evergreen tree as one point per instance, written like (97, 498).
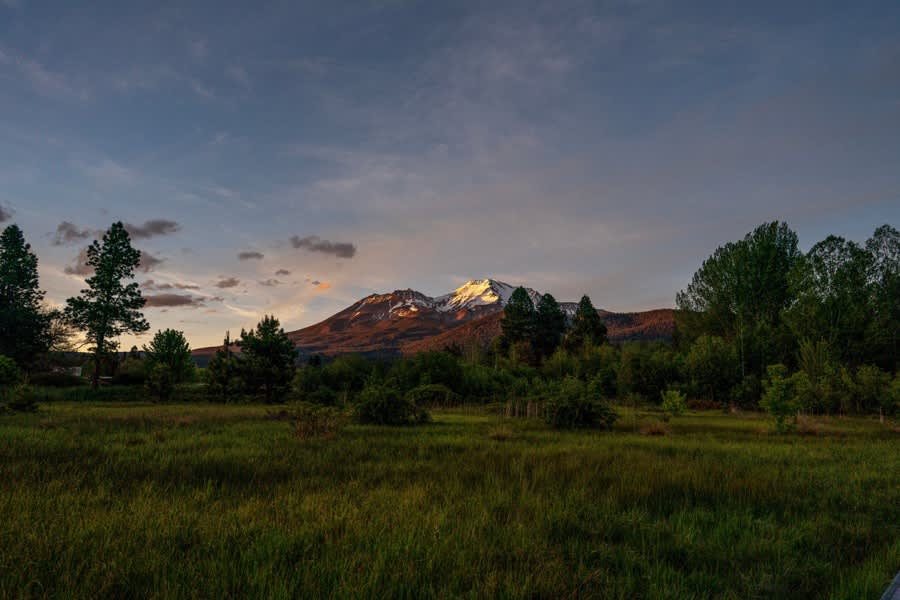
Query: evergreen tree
(168, 362)
(549, 326)
(587, 326)
(223, 373)
(518, 319)
(108, 307)
(24, 327)
(268, 356)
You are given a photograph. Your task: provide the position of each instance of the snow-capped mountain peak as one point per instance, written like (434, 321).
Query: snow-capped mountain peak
(479, 292)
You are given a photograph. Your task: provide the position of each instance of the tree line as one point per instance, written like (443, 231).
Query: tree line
(761, 325)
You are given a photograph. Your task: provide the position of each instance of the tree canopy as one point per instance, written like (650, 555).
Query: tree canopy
(24, 326)
(108, 307)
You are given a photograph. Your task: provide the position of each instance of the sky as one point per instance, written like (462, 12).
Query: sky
(289, 158)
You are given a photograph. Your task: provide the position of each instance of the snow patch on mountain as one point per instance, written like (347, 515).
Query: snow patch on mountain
(479, 292)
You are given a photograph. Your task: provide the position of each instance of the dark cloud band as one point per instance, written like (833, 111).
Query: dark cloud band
(313, 243)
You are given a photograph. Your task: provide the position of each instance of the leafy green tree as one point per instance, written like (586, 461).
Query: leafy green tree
(712, 366)
(779, 399)
(883, 337)
(872, 389)
(831, 285)
(223, 373)
(11, 376)
(24, 326)
(107, 308)
(549, 326)
(518, 319)
(168, 362)
(268, 359)
(740, 292)
(587, 327)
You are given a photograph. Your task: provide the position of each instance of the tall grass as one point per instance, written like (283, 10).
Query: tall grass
(135, 501)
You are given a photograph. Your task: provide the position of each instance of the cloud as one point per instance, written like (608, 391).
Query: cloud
(324, 285)
(239, 75)
(313, 243)
(67, 233)
(79, 265)
(270, 282)
(282, 272)
(5, 214)
(152, 285)
(167, 300)
(251, 255)
(152, 228)
(148, 262)
(228, 282)
(159, 300)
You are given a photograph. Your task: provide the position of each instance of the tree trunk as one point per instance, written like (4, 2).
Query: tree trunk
(98, 356)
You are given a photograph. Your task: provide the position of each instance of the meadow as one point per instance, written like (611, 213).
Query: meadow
(131, 500)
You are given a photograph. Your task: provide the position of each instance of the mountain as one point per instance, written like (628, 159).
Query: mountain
(407, 321)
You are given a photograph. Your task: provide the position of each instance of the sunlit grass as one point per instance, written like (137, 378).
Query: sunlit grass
(134, 500)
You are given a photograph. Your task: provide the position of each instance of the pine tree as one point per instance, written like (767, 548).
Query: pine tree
(587, 326)
(268, 356)
(108, 308)
(24, 327)
(549, 326)
(518, 319)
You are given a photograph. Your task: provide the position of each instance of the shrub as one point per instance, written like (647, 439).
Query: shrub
(383, 405)
(130, 372)
(673, 403)
(10, 374)
(573, 407)
(779, 399)
(322, 395)
(654, 429)
(56, 380)
(21, 398)
(500, 434)
(161, 381)
(311, 421)
(433, 394)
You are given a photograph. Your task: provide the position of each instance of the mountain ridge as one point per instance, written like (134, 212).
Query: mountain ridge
(406, 321)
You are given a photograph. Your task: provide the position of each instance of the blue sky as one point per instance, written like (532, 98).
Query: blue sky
(575, 147)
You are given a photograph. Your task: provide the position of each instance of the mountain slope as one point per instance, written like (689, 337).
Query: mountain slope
(651, 325)
(407, 321)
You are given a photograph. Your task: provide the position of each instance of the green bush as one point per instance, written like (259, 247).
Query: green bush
(779, 399)
(674, 403)
(383, 405)
(56, 380)
(10, 374)
(322, 395)
(433, 394)
(573, 407)
(130, 372)
(315, 421)
(21, 398)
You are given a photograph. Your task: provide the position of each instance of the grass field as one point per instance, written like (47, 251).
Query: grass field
(135, 501)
